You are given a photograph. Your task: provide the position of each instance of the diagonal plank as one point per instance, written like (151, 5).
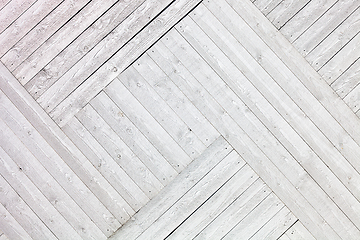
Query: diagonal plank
(122, 59)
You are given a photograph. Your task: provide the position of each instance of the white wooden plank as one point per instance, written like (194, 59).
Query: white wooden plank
(162, 112)
(348, 81)
(277, 225)
(86, 41)
(239, 209)
(217, 203)
(312, 35)
(25, 23)
(120, 152)
(3, 237)
(284, 237)
(286, 10)
(22, 213)
(3, 3)
(133, 138)
(116, 176)
(305, 74)
(353, 98)
(226, 125)
(175, 190)
(11, 227)
(266, 6)
(12, 11)
(194, 198)
(42, 31)
(35, 199)
(341, 61)
(248, 226)
(125, 56)
(34, 59)
(175, 99)
(330, 45)
(104, 50)
(63, 147)
(314, 22)
(148, 125)
(225, 97)
(39, 175)
(299, 232)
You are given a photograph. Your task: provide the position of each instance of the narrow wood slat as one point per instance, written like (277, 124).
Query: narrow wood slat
(313, 23)
(178, 102)
(41, 32)
(194, 198)
(101, 53)
(299, 232)
(25, 23)
(216, 204)
(3, 237)
(3, 3)
(133, 138)
(106, 165)
(277, 225)
(35, 199)
(266, 6)
(236, 211)
(162, 112)
(11, 227)
(77, 49)
(304, 72)
(312, 35)
(185, 181)
(349, 80)
(226, 125)
(120, 152)
(148, 125)
(353, 98)
(286, 10)
(34, 59)
(125, 56)
(255, 103)
(325, 50)
(12, 11)
(22, 213)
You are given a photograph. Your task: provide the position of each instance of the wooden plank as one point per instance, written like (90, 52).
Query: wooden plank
(302, 70)
(59, 143)
(148, 125)
(330, 45)
(32, 196)
(185, 181)
(286, 10)
(3, 237)
(104, 50)
(341, 61)
(15, 205)
(264, 111)
(39, 175)
(276, 226)
(235, 212)
(133, 138)
(314, 22)
(348, 81)
(162, 112)
(106, 165)
(120, 152)
(178, 102)
(35, 59)
(11, 227)
(226, 125)
(216, 204)
(3, 3)
(76, 50)
(299, 232)
(331, 17)
(41, 32)
(266, 6)
(25, 23)
(194, 198)
(122, 59)
(11, 11)
(248, 226)
(353, 98)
